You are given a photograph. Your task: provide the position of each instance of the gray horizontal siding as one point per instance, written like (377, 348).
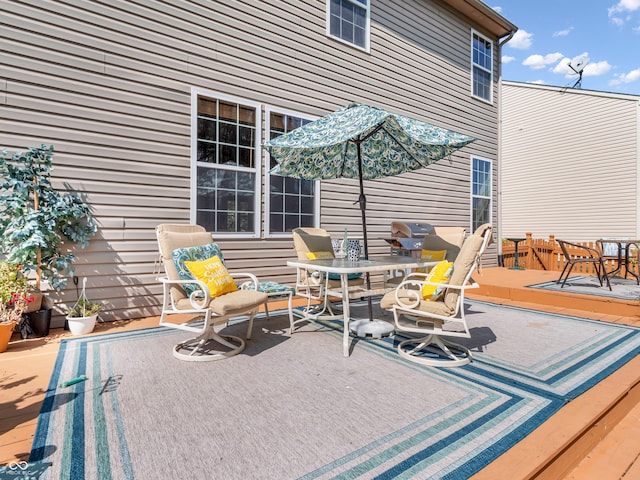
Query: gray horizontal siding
(570, 161)
(108, 83)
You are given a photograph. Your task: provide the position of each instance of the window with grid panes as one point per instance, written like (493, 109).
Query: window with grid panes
(482, 67)
(226, 166)
(291, 202)
(348, 21)
(480, 192)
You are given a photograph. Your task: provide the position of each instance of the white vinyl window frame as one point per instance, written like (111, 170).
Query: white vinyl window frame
(481, 182)
(256, 169)
(482, 73)
(331, 20)
(267, 176)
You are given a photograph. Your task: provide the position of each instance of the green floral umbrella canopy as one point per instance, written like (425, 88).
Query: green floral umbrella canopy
(363, 142)
(388, 144)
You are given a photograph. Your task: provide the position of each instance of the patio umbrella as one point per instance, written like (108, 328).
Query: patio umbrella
(361, 142)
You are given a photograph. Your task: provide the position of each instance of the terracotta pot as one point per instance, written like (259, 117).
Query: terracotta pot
(82, 325)
(6, 330)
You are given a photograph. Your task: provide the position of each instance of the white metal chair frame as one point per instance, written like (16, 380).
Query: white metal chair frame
(206, 323)
(408, 298)
(313, 285)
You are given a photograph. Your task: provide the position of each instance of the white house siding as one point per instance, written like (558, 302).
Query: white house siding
(569, 163)
(108, 83)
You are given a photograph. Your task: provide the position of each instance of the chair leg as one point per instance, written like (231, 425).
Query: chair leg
(570, 265)
(562, 274)
(250, 326)
(605, 275)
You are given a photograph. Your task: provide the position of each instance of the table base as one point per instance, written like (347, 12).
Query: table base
(371, 328)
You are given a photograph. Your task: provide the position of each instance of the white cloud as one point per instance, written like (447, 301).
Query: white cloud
(563, 68)
(539, 82)
(497, 9)
(632, 76)
(592, 69)
(537, 62)
(620, 12)
(625, 6)
(596, 69)
(521, 40)
(563, 33)
(507, 59)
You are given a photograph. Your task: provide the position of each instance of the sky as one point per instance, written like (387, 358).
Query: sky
(599, 37)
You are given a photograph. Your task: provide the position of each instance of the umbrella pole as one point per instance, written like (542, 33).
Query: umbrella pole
(362, 199)
(367, 327)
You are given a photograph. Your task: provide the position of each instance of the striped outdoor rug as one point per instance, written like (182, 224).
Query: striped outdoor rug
(292, 407)
(623, 288)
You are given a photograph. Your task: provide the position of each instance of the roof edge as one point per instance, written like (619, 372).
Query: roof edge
(484, 15)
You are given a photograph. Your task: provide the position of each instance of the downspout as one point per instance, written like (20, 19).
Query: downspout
(499, 169)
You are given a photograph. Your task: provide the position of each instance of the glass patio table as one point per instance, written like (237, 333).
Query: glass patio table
(623, 250)
(344, 267)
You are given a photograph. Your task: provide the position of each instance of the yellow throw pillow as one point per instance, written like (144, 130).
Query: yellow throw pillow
(319, 255)
(214, 274)
(439, 274)
(430, 256)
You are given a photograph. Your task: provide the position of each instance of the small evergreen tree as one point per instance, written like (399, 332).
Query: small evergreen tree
(36, 220)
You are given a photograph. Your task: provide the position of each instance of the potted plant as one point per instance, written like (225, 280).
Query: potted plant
(14, 300)
(82, 317)
(37, 221)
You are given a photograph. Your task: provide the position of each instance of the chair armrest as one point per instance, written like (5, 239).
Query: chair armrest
(253, 280)
(199, 299)
(412, 287)
(588, 251)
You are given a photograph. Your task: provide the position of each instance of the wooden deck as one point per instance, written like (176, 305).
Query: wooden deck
(593, 437)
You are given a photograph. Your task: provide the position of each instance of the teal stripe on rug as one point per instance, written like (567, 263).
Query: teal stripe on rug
(121, 437)
(501, 400)
(39, 445)
(101, 449)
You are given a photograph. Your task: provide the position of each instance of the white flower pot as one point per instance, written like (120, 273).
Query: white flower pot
(81, 325)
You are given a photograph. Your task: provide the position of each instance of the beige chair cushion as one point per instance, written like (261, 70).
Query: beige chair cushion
(440, 308)
(445, 238)
(240, 301)
(172, 236)
(464, 262)
(307, 240)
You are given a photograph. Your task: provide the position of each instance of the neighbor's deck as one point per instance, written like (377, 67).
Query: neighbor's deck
(593, 437)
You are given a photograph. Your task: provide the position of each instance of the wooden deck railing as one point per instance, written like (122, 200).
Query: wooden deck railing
(541, 254)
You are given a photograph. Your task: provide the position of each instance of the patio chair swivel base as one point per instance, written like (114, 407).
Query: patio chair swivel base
(434, 351)
(208, 346)
(366, 328)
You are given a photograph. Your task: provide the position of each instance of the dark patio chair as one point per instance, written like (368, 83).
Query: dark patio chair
(575, 254)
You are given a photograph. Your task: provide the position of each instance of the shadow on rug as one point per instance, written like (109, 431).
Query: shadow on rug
(293, 407)
(623, 288)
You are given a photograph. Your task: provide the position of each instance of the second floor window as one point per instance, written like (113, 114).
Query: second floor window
(482, 67)
(348, 20)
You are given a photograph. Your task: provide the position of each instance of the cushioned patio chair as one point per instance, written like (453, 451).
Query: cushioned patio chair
(441, 243)
(575, 254)
(309, 244)
(187, 253)
(435, 310)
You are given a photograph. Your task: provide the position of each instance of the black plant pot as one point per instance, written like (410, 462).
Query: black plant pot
(35, 324)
